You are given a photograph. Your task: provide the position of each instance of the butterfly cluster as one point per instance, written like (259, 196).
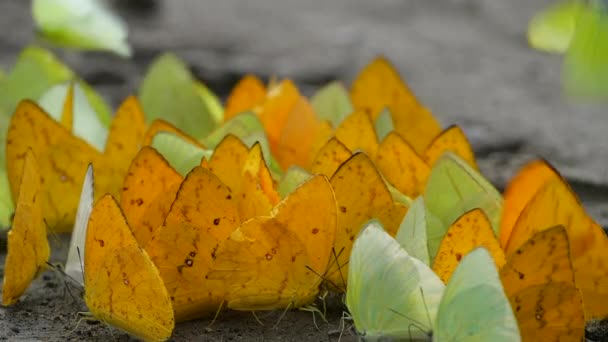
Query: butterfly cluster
(269, 200)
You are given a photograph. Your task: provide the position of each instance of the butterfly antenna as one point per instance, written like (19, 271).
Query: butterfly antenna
(340, 266)
(67, 285)
(59, 269)
(321, 276)
(415, 323)
(282, 315)
(426, 308)
(339, 269)
(256, 318)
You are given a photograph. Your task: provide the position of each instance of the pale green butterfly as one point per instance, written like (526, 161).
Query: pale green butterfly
(392, 295)
(81, 24)
(292, 179)
(86, 123)
(73, 264)
(452, 189)
(412, 232)
(384, 124)
(35, 71)
(169, 92)
(585, 67)
(332, 103)
(551, 30)
(182, 155)
(213, 103)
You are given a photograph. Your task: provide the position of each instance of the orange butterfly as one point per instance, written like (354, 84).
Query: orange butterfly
(277, 261)
(27, 248)
(540, 198)
(122, 285)
(203, 215)
(63, 158)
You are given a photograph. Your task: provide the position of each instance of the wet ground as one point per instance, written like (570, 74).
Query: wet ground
(466, 59)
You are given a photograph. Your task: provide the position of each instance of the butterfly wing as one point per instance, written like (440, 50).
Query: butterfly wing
(278, 262)
(203, 215)
(453, 188)
(539, 281)
(474, 306)
(390, 294)
(556, 204)
(412, 232)
(28, 248)
(122, 285)
(361, 195)
(471, 230)
(402, 166)
(73, 265)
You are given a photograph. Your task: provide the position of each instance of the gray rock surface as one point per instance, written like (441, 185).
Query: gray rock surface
(466, 59)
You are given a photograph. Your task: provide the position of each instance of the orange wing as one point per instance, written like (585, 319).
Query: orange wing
(298, 135)
(122, 285)
(126, 134)
(402, 166)
(274, 111)
(357, 132)
(158, 126)
(203, 214)
(471, 230)
(361, 195)
(147, 193)
(246, 95)
(520, 191)
(278, 262)
(257, 194)
(228, 160)
(330, 157)
(27, 249)
(62, 160)
(379, 86)
(555, 204)
(451, 139)
(539, 281)
(67, 114)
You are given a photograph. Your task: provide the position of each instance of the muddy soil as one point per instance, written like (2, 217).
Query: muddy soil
(466, 59)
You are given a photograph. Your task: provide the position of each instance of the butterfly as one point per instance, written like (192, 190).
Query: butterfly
(63, 157)
(246, 95)
(539, 198)
(85, 25)
(169, 92)
(379, 86)
(27, 247)
(73, 264)
(361, 195)
(401, 298)
(203, 214)
(278, 261)
(332, 103)
(452, 189)
(122, 286)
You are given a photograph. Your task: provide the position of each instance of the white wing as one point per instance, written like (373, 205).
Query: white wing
(386, 288)
(73, 266)
(474, 307)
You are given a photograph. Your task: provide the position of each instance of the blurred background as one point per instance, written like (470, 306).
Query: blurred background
(468, 60)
